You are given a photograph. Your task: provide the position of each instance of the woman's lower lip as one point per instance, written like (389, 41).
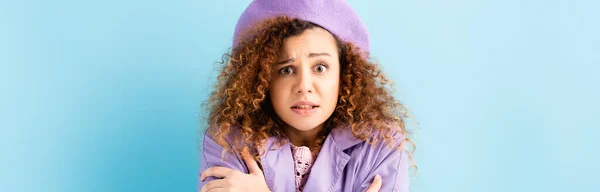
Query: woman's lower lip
(305, 111)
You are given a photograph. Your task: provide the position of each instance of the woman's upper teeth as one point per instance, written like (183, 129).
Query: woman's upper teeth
(304, 106)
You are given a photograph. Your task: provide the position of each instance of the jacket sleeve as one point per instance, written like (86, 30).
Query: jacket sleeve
(391, 165)
(211, 156)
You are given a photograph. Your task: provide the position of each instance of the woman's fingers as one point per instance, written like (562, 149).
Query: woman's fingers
(213, 185)
(218, 190)
(251, 163)
(376, 185)
(220, 172)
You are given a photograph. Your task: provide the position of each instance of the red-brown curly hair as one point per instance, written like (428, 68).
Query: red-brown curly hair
(240, 102)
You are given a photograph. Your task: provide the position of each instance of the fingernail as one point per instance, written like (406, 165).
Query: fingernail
(378, 177)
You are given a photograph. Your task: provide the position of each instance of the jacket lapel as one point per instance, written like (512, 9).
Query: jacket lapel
(332, 160)
(278, 166)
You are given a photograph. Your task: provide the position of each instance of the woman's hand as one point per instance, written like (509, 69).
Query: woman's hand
(376, 185)
(233, 180)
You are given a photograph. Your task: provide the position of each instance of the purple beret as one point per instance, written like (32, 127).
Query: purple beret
(334, 15)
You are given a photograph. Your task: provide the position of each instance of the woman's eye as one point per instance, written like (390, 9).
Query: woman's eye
(286, 71)
(320, 68)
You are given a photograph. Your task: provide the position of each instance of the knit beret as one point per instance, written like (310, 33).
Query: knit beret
(336, 16)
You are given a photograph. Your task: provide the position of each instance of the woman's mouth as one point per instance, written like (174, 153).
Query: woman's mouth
(304, 107)
(305, 110)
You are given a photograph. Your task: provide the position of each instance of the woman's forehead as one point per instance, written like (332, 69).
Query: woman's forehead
(310, 42)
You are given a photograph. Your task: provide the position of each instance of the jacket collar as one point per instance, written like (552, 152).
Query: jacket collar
(331, 159)
(343, 137)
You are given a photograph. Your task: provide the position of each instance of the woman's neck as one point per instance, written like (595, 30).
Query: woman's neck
(303, 138)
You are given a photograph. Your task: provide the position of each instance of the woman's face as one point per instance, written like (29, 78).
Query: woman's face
(304, 91)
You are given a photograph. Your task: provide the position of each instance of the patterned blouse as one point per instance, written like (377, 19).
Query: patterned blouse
(304, 160)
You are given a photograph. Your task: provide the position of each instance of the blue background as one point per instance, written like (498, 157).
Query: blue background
(105, 95)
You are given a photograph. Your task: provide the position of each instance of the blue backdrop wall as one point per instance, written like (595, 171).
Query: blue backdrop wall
(105, 95)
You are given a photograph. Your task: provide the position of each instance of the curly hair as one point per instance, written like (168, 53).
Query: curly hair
(240, 102)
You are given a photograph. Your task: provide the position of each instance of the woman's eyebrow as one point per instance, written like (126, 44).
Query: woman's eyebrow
(318, 54)
(285, 62)
(310, 55)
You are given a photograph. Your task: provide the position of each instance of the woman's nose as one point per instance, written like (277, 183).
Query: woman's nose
(305, 82)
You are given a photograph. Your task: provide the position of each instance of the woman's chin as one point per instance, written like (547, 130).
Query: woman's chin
(304, 127)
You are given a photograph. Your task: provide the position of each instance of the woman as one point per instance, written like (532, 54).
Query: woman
(299, 107)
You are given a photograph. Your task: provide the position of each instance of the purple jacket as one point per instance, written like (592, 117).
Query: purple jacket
(345, 163)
